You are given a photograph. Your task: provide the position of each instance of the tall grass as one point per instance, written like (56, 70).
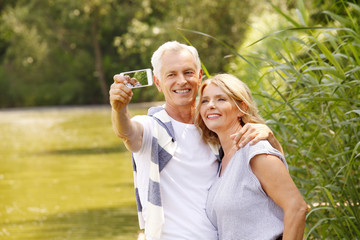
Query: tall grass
(309, 90)
(315, 106)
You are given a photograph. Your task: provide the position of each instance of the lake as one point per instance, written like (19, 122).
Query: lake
(64, 175)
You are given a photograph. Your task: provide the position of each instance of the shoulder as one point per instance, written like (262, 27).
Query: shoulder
(153, 110)
(147, 125)
(146, 122)
(140, 118)
(261, 147)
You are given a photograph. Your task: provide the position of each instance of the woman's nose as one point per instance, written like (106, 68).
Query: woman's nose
(211, 104)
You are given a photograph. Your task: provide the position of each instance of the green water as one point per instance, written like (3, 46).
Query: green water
(64, 175)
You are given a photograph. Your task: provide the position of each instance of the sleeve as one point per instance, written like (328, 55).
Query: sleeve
(142, 159)
(147, 124)
(262, 147)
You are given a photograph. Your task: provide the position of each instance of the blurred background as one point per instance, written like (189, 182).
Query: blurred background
(61, 52)
(64, 174)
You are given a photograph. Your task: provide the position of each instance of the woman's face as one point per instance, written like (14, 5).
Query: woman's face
(218, 110)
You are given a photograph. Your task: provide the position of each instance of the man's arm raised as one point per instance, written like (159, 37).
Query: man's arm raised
(130, 132)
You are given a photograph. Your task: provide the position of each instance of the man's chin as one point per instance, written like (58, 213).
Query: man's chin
(184, 103)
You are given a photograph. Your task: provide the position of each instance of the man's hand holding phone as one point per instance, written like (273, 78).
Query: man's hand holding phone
(138, 78)
(121, 93)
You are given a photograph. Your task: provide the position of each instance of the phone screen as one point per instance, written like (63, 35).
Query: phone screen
(138, 78)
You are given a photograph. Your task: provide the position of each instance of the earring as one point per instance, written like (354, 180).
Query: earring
(241, 121)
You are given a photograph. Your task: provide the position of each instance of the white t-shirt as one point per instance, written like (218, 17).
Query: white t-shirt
(184, 182)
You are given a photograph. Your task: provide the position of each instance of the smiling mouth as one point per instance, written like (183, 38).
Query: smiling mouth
(211, 116)
(182, 91)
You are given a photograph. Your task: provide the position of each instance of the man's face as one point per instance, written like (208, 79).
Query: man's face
(179, 80)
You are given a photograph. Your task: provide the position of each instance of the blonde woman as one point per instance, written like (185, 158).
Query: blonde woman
(253, 196)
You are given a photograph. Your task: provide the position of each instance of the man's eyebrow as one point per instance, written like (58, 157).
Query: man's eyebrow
(171, 71)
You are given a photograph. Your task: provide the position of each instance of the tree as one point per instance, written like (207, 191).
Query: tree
(66, 52)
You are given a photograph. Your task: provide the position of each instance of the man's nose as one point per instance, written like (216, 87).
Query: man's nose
(182, 79)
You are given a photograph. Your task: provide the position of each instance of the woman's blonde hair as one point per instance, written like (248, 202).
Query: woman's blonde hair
(239, 92)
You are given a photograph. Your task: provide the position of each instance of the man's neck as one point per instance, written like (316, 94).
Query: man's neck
(184, 114)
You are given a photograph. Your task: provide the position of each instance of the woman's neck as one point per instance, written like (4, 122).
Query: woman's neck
(227, 145)
(226, 142)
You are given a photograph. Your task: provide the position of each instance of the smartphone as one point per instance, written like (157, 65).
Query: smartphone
(139, 78)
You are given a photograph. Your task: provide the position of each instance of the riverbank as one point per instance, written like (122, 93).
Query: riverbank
(79, 107)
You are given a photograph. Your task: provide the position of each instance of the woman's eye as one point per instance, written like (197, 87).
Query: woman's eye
(222, 99)
(204, 101)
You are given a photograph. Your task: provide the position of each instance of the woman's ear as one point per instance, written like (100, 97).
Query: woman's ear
(243, 108)
(157, 83)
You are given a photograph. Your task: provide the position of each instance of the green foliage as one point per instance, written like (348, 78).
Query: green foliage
(310, 96)
(66, 52)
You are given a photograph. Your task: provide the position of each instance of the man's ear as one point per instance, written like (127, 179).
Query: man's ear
(200, 76)
(157, 83)
(200, 73)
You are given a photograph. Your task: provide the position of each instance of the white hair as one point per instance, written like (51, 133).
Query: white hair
(175, 47)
